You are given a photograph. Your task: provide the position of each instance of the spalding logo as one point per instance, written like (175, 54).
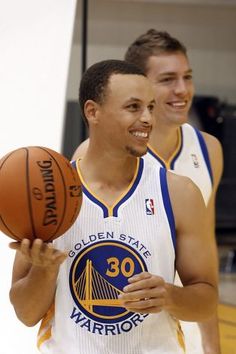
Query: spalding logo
(50, 214)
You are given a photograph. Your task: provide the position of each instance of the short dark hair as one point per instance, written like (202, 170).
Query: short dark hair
(152, 43)
(95, 80)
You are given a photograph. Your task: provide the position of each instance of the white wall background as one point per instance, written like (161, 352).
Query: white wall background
(35, 44)
(208, 31)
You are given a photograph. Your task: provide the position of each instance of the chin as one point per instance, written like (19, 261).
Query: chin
(136, 152)
(180, 119)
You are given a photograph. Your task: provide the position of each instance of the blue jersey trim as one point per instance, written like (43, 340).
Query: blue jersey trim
(172, 165)
(132, 189)
(167, 204)
(96, 201)
(126, 196)
(156, 157)
(205, 153)
(90, 196)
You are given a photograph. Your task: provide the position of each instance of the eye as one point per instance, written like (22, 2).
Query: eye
(151, 108)
(166, 80)
(133, 107)
(188, 77)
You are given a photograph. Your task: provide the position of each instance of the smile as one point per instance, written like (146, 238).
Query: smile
(140, 134)
(181, 104)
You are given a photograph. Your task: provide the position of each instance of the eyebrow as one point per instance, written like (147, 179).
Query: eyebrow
(134, 99)
(152, 101)
(138, 100)
(190, 71)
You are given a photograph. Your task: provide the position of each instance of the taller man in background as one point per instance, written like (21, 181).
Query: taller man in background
(176, 145)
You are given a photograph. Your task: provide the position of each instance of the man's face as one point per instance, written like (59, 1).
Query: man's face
(171, 77)
(126, 115)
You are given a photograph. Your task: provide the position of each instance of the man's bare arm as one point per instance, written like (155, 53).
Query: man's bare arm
(210, 328)
(34, 278)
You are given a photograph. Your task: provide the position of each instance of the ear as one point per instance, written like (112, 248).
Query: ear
(90, 111)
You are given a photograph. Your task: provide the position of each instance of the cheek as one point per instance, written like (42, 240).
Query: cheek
(161, 93)
(117, 127)
(191, 89)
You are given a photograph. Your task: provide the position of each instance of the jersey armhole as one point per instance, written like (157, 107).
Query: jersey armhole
(167, 204)
(205, 153)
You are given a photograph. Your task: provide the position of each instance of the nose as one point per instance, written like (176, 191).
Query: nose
(180, 87)
(147, 116)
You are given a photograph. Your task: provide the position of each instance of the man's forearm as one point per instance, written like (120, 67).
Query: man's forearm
(210, 335)
(32, 295)
(196, 302)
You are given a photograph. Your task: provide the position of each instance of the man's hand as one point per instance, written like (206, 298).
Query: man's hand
(146, 293)
(39, 253)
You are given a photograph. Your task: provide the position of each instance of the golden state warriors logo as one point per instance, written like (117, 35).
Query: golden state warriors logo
(98, 274)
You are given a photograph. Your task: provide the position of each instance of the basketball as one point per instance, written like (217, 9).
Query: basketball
(40, 194)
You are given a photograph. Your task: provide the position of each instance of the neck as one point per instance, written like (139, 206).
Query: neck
(104, 167)
(164, 141)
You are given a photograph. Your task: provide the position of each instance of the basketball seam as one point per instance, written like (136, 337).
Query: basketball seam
(29, 194)
(12, 233)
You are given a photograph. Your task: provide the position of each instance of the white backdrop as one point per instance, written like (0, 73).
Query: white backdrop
(35, 45)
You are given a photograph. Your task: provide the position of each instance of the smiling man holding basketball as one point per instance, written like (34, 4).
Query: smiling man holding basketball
(114, 291)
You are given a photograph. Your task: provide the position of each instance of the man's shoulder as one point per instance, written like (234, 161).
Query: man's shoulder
(178, 180)
(215, 152)
(213, 145)
(211, 140)
(182, 188)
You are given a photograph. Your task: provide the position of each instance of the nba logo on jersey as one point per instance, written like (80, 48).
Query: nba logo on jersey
(195, 160)
(149, 204)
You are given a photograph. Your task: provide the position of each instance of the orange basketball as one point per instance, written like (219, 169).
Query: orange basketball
(40, 194)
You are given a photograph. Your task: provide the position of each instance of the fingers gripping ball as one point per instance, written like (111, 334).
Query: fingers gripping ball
(40, 194)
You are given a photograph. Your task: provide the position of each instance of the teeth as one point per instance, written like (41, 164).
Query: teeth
(178, 104)
(140, 134)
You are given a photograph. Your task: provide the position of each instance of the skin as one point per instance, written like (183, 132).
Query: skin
(171, 77)
(35, 271)
(128, 111)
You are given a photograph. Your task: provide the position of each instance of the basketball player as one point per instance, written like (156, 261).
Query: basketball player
(176, 145)
(113, 291)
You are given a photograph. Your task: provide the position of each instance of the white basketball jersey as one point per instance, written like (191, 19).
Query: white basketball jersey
(107, 245)
(190, 159)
